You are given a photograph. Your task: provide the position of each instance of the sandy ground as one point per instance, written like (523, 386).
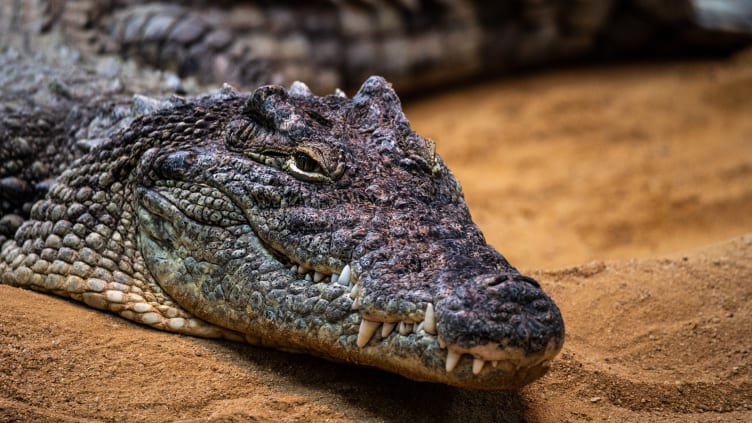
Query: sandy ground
(626, 190)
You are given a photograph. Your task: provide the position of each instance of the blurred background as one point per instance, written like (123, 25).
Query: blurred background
(416, 44)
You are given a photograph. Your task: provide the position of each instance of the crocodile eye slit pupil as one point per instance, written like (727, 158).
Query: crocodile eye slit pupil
(305, 163)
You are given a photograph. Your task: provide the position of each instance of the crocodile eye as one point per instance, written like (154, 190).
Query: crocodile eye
(306, 163)
(302, 166)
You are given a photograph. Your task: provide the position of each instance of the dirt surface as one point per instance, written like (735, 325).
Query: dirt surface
(626, 190)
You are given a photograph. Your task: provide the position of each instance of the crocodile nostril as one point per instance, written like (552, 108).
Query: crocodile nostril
(531, 281)
(497, 280)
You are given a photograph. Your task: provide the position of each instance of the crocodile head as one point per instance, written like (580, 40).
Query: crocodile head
(314, 224)
(326, 225)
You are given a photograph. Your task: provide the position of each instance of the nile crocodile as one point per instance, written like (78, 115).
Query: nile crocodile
(313, 224)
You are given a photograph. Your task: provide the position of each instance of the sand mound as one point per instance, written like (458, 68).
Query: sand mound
(642, 172)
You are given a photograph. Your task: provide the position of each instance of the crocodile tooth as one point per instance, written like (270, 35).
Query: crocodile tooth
(317, 277)
(405, 328)
(452, 359)
(335, 277)
(355, 291)
(355, 304)
(294, 268)
(387, 328)
(442, 343)
(308, 277)
(366, 331)
(417, 328)
(495, 363)
(340, 93)
(302, 269)
(344, 277)
(478, 365)
(430, 320)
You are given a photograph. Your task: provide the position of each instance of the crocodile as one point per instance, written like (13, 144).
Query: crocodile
(322, 225)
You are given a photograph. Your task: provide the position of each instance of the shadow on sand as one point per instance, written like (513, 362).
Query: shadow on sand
(370, 394)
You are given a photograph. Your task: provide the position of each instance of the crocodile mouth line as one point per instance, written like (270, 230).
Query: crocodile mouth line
(503, 357)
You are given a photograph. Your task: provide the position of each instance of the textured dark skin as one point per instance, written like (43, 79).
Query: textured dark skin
(190, 220)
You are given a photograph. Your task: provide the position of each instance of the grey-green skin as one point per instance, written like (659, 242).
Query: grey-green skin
(241, 216)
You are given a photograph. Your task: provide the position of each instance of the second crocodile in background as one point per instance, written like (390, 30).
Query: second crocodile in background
(323, 225)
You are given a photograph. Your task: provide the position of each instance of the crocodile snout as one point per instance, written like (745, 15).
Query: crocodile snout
(499, 318)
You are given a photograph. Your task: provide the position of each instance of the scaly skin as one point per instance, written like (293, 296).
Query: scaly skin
(54, 109)
(314, 224)
(329, 44)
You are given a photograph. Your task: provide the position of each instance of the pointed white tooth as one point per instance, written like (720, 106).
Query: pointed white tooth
(405, 328)
(340, 93)
(477, 365)
(355, 291)
(355, 304)
(442, 343)
(308, 277)
(495, 363)
(430, 320)
(335, 277)
(344, 277)
(417, 328)
(452, 359)
(317, 277)
(294, 268)
(387, 328)
(302, 269)
(366, 331)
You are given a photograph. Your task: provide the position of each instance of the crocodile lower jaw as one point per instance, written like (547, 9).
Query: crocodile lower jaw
(488, 356)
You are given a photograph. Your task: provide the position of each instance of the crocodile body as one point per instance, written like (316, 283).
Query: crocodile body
(322, 225)
(337, 44)
(54, 109)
